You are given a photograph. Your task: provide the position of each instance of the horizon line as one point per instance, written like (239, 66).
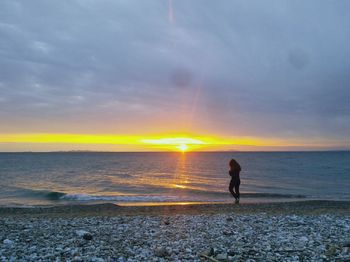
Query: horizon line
(187, 152)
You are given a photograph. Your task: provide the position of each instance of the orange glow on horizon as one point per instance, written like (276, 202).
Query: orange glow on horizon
(179, 142)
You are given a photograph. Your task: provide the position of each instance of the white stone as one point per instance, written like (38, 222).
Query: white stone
(7, 242)
(81, 232)
(97, 259)
(304, 239)
(222, 256)
(77, 259)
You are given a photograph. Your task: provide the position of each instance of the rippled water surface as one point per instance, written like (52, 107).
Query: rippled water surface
(59, 178)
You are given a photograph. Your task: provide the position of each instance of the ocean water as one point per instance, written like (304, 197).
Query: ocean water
(29, 179)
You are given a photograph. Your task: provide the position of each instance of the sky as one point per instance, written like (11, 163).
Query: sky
(123, 75)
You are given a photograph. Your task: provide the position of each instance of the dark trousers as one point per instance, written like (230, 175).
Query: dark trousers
(234, 188)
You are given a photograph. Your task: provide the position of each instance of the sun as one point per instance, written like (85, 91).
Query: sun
(182, 147)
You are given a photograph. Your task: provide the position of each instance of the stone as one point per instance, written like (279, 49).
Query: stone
(209, 252)
(7, 242)
(227, 232)
(169, 250)
(221, 256)
(304, 239)
(97, 259)
(231, 252)
(331, 250)
(81, 232)
(33, 256)
(87, 236)
(77, 259)
(160, 252)
(84, 234)
(346, 251)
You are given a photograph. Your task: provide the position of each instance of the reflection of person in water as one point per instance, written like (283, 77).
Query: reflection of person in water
(235, 169)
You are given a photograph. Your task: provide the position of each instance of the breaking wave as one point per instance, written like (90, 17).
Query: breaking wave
(197, 195)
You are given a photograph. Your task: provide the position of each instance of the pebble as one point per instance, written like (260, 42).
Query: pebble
(304, 239)
(231, 252)
(253, 237)
(209, 252)
(160, 252)
(227, 232)
(221, 257)
(77, 259)
(97, 259)
(80, 232)
(87, 236)
(84, 234)
(346, 251)
(7, 242)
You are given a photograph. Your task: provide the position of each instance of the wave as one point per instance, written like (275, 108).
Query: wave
(55, 195)
(126, 198)
(157, 198)
(176, 196)
(42, 194)
(61, 196)
(165, 198)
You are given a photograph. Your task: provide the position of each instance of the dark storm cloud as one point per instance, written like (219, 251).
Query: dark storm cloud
(270, 68)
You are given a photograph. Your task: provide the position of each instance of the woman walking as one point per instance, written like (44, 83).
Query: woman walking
(235, 169)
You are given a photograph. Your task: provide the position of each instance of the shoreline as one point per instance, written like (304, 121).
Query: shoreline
(301, 207)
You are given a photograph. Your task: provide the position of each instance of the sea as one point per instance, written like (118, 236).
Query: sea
(61, 178)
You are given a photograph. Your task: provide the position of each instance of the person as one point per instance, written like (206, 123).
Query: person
(235, 169)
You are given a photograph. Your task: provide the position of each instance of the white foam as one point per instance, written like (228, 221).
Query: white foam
(126, 198)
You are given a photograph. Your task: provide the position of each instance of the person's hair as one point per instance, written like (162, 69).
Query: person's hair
(234, 165)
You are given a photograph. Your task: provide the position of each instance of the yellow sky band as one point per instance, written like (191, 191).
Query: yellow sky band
(129, 140)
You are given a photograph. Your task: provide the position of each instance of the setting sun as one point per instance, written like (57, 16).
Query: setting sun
(182, 147)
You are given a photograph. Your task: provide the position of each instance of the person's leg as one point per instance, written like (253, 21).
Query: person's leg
(230, 188)
(237, 189)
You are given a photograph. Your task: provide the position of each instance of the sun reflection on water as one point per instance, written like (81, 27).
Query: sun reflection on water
(180, 179)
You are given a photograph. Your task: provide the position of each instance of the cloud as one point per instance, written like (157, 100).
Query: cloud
(263, 68)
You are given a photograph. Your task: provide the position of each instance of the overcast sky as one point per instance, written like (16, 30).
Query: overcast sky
(269, 69)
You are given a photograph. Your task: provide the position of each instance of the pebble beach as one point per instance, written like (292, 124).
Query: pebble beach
(297, 231)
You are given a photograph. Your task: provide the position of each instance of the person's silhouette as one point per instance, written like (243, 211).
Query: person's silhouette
(235, 169)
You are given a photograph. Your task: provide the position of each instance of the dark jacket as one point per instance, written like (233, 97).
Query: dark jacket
(235, 174)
